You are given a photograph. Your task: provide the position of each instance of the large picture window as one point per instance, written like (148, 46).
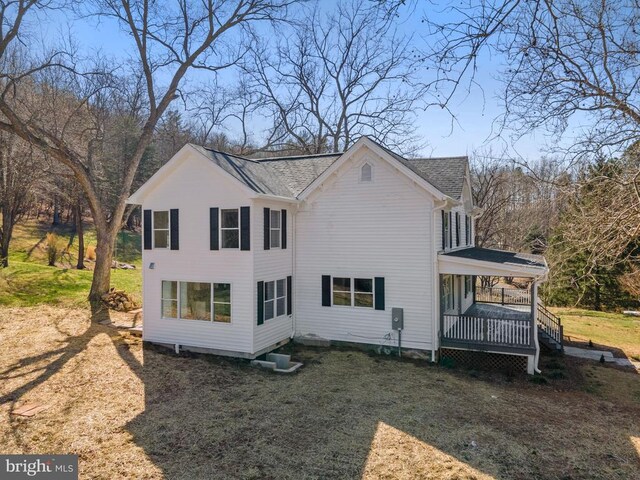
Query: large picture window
(196, 301)
(229, 228)
(161, 229)
(353, 292)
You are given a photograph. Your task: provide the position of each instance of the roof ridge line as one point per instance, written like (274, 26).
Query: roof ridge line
(291, 157)
(227, 153)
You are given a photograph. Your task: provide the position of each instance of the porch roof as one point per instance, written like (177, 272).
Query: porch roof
(487, 261)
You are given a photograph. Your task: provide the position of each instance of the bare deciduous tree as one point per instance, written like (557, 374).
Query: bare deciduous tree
(338, 76)
(170, 39)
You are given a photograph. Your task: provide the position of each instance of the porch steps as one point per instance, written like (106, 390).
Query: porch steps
(549, 341)
(550, 331)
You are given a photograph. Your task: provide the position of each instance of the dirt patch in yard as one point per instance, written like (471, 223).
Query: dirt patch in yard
(134, 412)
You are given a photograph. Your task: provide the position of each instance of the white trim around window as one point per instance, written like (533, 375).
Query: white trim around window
(230, 228)
(212, 304)
(161, 229)
(274, 299)
(366, 173)
(275, 228)
(356, 292)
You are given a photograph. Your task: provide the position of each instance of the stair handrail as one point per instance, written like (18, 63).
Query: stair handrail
(550, 323)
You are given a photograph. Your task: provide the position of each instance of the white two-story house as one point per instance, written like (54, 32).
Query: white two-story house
(242, 255)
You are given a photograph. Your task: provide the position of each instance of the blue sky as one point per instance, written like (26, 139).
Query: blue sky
(474, 111)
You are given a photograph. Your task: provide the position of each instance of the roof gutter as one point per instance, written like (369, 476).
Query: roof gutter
(266, 196)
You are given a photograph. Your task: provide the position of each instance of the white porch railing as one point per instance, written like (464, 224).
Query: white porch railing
(503, 296)
(469, 332)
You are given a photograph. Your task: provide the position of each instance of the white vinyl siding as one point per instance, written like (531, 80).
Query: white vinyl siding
(199, 186)
(274, 264)
(351, 230)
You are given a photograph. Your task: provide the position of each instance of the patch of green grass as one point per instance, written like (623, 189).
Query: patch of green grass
(29, 281)
(602, 328)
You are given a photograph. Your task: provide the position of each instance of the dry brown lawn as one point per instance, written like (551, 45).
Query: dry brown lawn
(134, 412)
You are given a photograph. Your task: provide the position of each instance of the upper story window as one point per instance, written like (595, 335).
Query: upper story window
(161, 229)
(230, 228)
(467, 229)
(446, 230)
(275, 227)
(366, 173)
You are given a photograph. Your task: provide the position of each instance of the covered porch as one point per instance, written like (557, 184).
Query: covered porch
(501, 320)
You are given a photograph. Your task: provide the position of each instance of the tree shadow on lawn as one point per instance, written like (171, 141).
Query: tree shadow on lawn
(349, 415)
(39, 368)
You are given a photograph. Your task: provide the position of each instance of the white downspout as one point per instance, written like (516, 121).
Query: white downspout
(435, 308)
(294, 272)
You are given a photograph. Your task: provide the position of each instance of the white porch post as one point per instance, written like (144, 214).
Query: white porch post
(532, 366)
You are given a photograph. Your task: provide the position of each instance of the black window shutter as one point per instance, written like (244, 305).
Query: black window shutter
(450, 231)
(283, 229)
(245, 228)
(457, 229)
(267, 228)
(214, 240)
(260, 303)
(174, 228)
(146, 225)
(289, 299)
(326, 290)
(467, 229)
(379, 292)
(443, 237)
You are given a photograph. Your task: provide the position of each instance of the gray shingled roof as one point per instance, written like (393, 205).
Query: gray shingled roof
(297, 173)
(445, 173)
(500, 256)
(289, 176)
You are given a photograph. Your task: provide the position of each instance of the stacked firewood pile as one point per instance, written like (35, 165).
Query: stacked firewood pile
(119, 300)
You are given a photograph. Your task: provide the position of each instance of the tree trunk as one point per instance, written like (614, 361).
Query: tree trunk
(5, 236)
(56, 212)
(104, 257)
(80, 233)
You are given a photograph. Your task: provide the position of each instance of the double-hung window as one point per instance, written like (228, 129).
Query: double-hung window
(352, 292)
(275, 299)
(222, 302)
(446, 230)
(230, 228)
(169, 299)
(275, 226)
(468, 285)
(161, 229)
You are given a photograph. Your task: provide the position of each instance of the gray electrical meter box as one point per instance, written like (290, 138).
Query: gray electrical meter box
(397, 318)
